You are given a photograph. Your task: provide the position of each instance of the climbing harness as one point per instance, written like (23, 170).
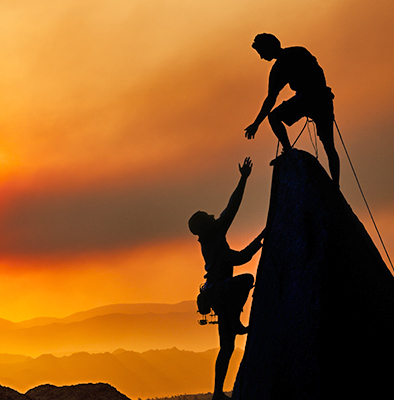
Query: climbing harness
(210, 318)
(204, 307)
(363, 196)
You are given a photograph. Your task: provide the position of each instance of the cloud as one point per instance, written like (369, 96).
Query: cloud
(120, 119)
(128, 118)
(105, 219)
(111, 215)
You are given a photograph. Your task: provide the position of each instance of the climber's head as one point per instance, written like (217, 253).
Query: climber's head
(268, 46)
(201, 222)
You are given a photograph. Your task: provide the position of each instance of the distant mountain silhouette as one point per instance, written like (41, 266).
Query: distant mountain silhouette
(322, 318)
(130, 326)
(7, 325)
(155, 373)
(129, 309)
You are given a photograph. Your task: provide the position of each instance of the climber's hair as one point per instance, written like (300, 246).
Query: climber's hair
(199, 222)
(266, 40)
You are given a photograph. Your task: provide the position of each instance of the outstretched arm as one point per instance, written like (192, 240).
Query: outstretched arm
(268, 105)
(228, 215)
(245, 255)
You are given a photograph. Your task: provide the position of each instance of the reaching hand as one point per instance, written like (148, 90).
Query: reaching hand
(246, 168)
(251, 130)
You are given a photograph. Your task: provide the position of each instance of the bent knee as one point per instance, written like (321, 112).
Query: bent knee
(273, 118)
(245, 280)
(249, 280)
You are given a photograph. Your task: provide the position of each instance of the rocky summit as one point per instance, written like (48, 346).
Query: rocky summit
(322, 318)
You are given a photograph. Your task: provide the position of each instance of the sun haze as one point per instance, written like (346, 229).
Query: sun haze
(120, 119)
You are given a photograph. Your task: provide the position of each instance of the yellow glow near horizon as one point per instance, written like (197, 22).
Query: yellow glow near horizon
(57, 288)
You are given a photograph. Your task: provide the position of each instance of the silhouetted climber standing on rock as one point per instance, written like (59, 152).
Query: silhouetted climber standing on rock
(297, 67)
(227, 294)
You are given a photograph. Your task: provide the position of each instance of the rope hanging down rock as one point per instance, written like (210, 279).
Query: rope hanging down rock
(364, 198)
(355, 176)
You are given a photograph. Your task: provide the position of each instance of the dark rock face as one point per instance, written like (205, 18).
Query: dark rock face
(89, 391)
(322, 319)
(10, 394)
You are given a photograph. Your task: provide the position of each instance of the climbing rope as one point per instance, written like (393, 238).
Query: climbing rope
(313, 136)
(302, 130)
(314, 144)
(363, 196)
(313, 139)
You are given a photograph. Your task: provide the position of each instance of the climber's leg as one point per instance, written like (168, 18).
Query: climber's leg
(234, 299)
(289, 112)
(227, 345)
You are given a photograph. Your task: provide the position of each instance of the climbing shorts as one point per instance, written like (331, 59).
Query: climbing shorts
(318, 106)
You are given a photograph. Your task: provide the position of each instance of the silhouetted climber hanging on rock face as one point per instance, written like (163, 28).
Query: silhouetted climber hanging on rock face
(297, 67)
(227, 294)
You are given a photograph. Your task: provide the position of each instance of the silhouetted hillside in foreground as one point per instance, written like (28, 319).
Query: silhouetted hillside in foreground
(88, 391)
(201, 396)
(11, 394)
(322, 318)
(98, 391)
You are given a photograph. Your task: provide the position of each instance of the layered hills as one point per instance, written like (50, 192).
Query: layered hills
(155, 373)
(113, 344)
(130, 326)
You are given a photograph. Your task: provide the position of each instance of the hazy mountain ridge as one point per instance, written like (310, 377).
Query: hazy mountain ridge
(138, 375)
(90, 346)
(130, 326)
(130, 309)
(7, 325)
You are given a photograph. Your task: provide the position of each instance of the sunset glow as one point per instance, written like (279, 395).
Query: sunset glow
(120, 119)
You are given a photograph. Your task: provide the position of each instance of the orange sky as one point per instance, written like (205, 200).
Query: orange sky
(121, 118)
